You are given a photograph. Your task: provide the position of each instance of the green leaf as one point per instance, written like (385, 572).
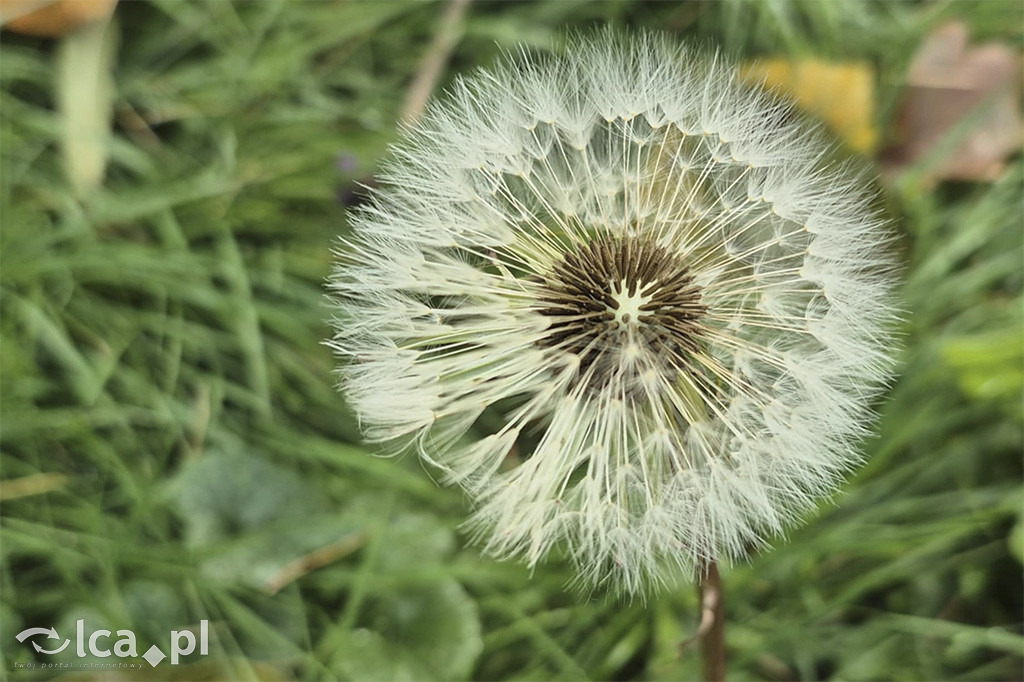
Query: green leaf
(223, 494)
(426, 634)
(990, 364)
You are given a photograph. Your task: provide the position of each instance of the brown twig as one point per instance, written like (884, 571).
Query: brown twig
(433, 62)
(137, 127)
(316, 559)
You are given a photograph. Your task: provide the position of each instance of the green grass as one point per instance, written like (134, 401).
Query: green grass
(172, 441)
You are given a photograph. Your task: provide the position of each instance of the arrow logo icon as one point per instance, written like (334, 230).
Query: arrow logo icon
(25, 634)
(55, 651)
(50, 634)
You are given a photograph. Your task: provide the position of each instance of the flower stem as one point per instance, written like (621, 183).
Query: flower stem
(712, 637)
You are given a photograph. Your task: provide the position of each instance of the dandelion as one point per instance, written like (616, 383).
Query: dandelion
(622, 300)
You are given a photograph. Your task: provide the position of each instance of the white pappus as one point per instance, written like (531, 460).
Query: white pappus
(622, 299)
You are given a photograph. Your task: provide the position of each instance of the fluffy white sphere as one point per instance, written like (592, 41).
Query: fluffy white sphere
(618, 297)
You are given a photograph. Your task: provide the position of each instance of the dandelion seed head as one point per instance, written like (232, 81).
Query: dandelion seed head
(646, 269)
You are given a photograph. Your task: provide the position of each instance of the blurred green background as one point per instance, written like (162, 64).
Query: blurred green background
(174, 450)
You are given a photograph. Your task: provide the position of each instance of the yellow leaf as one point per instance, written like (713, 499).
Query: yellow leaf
(842, 94)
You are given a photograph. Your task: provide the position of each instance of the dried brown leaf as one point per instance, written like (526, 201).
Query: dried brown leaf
(52, 19)
(950, 86)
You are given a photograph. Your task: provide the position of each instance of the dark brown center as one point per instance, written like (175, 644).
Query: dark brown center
(615, 291)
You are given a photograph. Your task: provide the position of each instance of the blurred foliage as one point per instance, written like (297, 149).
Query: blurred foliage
(173, 448)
